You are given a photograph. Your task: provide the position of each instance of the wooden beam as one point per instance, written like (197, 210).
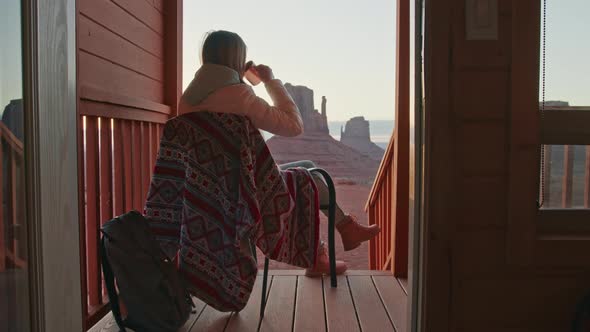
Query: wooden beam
(173, 53)
(2, 236)
(563, 126)
(587, 179)
(568, 176)
(401, 158)
(564, 221)
(546, 190)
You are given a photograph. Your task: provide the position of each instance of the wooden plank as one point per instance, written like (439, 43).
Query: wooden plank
(371, 312)
(248, 318)
(523, 138)
(55, 297)
(97, 40)
(280, 306)
(211, 320)
(80, 123)
(96, 94)
(136, 165)
(2, 244)
(388, 224)
(568, 176)
(564, 126)
(92, 212)
(143, 12)
(347, 273)
(106, 171)
(115, 79)
(108, 324)
(372, 244)
(91, 108)
(546, 190)
(160, 129)
(385, 165)
(152, 146)
(340, 311)
(118, 173)
(110, 77)
(127, 164)
(309, 308)
(563, 221)
(380, 244)
(196, 312)
(115, 19)
(159, 4)
(395, 300)
(587, 179)
(401, 157)
(404, 283)
(173, 48)
(145, 160)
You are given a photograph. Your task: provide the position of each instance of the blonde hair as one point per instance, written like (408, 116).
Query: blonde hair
(224, 48)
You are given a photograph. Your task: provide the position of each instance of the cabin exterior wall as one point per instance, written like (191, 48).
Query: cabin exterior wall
(472, 282)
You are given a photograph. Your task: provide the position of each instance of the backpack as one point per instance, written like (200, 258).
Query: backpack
(148, 282)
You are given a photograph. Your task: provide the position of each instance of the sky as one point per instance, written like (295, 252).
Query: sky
(10, 53)
(344, 50)
(567, 68)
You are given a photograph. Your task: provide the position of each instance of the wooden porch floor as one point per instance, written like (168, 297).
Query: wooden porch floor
(363, 301)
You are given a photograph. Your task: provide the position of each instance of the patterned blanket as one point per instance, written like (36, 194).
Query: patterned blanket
(215, 193)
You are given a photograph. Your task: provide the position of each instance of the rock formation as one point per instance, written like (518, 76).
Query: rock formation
(317, 145)
(555, 103)
(357, 135)
(313, 121)
(340, 160)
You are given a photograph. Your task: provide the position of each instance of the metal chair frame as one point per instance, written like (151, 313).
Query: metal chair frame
(331, 249)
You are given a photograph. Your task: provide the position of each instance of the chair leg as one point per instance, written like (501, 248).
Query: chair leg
(331, 224)
(264, 281)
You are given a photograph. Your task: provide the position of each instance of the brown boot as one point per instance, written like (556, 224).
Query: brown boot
(353, 233)
(322, 265)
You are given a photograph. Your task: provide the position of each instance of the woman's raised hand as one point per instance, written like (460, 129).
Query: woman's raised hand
(264, 73)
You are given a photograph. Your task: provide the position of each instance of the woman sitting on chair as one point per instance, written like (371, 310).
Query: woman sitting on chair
(218, 87)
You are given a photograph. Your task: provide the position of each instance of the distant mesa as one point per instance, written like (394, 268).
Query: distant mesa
(316, 144)
(555, 103)
(357, 135)
(313, 121)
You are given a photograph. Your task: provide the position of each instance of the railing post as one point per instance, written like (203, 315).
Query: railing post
(587, 179)
(2, 244)
(546, 191)
(401, 160)
(568, 174)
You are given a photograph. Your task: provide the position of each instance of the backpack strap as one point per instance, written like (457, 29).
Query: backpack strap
(109, 281)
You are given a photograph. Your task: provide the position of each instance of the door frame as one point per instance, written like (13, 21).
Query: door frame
(416, 233)
(49, 62)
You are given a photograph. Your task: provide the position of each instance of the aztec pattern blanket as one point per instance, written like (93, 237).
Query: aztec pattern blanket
(215, 193)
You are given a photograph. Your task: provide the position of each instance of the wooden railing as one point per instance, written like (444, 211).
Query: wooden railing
(13, 251)
(565, 181)
(388, 203)
(380, 210)
(117, 155)
(572, 183)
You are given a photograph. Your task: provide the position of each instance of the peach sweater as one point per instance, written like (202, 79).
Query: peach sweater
(219, 89)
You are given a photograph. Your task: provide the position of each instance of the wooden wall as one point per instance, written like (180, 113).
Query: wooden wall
(471, 283)
(121, 54)
(129, 83)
